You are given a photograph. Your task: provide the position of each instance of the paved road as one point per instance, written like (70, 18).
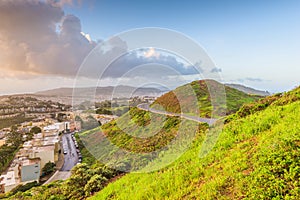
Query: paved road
(71, 157)
(59, 175)
(145, 106)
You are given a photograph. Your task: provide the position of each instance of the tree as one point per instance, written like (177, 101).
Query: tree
(89, 123)
(61, 117)
(94, 184)
(35, 130)
(14, 137)
(103, 111)
(48, 168)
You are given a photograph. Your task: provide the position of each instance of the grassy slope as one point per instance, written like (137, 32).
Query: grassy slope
(183, 94)
(257, 156)
(138, 132)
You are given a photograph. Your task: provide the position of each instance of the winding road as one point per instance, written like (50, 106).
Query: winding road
(209, 121)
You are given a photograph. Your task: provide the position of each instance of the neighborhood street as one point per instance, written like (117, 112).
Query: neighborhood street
(70, 157)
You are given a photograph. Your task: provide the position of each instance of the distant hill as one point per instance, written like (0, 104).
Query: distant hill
(119, 91)
(65, 95)
(234, 99)
(248, 90)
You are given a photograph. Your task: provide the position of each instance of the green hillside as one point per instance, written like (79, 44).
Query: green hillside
(181, 99)
(257, 156)
(138, 131)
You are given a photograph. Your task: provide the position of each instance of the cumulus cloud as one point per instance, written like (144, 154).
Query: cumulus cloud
(147, 63)
(151, 53)
(59, 3)
(30, 42)
(39, 39)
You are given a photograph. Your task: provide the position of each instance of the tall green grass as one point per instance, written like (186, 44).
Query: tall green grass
(256, 157)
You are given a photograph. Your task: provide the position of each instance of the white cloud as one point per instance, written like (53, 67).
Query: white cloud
(151, 53)
(87, 36)
(30, 43)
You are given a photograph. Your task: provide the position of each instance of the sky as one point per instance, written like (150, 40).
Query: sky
(43, 43)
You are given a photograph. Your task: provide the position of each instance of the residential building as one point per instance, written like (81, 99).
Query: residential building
(30, 170)
(22, 170)
(7, 182)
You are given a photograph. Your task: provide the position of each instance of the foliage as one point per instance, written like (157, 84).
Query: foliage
(8, 122)
(88, 158)
(103, 111)
(276, 99)
(111, 108)
(35, 130)
(7, 153)
(84, 181)
(256, 157)
(22, 188)
(160, 131)
(61, 117)
(181, 99)
(95, 184)
(14, 137)
(89, 123)
(48, 168)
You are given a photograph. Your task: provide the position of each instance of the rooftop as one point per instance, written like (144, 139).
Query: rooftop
(43, 148)
(8, 178)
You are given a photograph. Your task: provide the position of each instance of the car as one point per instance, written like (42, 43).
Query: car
(65, 152)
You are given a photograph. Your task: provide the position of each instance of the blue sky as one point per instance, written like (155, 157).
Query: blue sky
(249, 40)
(255, 43)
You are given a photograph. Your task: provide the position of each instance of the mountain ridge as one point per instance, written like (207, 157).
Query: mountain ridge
(247, 89)
(68, 91)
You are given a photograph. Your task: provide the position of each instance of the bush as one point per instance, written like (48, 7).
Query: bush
(48, 168)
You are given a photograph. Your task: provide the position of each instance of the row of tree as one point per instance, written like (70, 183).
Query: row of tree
(14, 140)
